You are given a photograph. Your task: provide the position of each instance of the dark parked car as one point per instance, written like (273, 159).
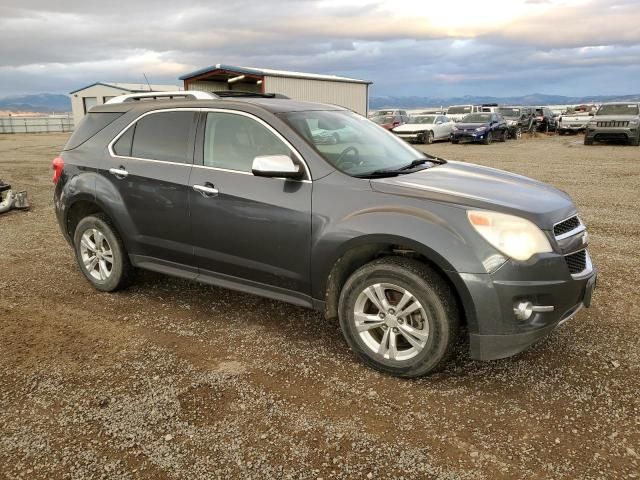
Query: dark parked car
(404, 248)
(546, 121)
(480, 127)
(519, 120)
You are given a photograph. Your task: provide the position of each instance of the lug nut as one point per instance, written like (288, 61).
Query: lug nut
(381, 315)
(395, 330)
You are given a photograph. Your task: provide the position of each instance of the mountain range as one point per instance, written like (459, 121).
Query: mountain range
(42, 103)
(51, 102)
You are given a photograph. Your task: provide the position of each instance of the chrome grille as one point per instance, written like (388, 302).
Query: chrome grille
(566, 226)
(614, 123)
(577, 262)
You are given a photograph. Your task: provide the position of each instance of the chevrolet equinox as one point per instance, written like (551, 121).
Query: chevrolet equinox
(404, 248)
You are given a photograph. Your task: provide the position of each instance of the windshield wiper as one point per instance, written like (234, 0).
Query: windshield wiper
(392, 172)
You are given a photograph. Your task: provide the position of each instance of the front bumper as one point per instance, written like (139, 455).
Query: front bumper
(469, 136)
(605, 134)
(412, 137)
(497, 332)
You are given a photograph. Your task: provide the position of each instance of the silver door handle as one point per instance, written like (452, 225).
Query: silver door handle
(205, 190)
(118, 172)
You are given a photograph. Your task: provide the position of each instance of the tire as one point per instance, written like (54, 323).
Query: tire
(634, 141)
(427, 138)
(505, 135)
(488, 139)
(423, 340)
(518, 133)
(93, 237)
(587, 140)
(455, 141)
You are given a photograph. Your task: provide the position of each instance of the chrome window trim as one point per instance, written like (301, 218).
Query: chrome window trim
(218, 110)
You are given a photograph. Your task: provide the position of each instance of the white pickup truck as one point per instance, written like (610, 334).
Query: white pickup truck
(576, 120)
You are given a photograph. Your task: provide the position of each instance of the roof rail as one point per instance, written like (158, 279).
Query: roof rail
(192, 94)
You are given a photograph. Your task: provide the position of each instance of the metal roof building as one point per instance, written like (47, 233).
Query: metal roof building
(100, 92)
(350, 93)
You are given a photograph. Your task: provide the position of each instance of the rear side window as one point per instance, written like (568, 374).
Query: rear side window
(164, 136)
(123, 146)
(91, 124)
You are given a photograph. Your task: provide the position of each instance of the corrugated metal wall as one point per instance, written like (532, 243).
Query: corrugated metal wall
(350, 95)
(206, 86)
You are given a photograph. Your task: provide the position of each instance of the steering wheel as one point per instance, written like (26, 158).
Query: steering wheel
(347, 150)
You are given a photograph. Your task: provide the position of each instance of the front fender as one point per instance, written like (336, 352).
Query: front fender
(439, 231)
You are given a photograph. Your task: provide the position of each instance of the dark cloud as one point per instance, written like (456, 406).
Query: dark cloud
(568, 47)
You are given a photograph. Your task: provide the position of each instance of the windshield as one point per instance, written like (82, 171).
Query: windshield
(365, 149)
(509, 112)
(618, 109)
(422, 119)
(382, 120)
(382, 113)
(477, 118)
(456, 110)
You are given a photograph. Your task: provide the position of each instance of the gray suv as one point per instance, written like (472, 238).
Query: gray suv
(406, 249)
(615, 121)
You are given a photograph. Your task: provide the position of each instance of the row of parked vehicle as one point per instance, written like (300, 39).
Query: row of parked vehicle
(492, 122)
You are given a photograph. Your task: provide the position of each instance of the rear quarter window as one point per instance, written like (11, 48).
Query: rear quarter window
(91, 124)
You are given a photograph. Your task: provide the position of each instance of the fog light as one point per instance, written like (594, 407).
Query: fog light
(524, 310)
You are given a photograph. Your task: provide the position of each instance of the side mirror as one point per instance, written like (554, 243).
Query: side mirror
(278, 166)
(439, 122)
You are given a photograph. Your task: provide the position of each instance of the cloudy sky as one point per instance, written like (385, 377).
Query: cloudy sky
(406, 47)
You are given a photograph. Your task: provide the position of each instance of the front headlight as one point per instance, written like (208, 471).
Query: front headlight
(481, 129)
(455, 129)
(514, 236)
(634, 123)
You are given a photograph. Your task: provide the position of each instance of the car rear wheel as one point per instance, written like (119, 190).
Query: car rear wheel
(428, 138)
(100, 254)
(399, 317)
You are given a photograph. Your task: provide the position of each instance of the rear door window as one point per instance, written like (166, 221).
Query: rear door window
(166, 136)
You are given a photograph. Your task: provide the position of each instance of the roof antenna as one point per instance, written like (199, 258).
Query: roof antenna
(145, 77)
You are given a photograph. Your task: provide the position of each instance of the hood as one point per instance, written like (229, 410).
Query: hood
(485, 188)
(619, 118)
(413, 127)
(465, 125)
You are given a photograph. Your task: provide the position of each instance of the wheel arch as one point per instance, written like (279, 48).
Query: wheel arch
(360, 251)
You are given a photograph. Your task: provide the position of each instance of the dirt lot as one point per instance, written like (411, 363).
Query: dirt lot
(171, 379)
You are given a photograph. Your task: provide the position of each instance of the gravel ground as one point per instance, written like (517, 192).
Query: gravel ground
(171, 379)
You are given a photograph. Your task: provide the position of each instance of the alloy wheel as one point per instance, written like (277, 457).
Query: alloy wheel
(391, 322)
(96, 254)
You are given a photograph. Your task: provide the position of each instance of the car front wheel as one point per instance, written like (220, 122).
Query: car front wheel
(399, 317)
(428, 138)
(100, 254)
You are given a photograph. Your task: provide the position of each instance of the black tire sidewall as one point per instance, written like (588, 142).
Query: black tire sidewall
(120, 263)
(428, 137)
(436, 308)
